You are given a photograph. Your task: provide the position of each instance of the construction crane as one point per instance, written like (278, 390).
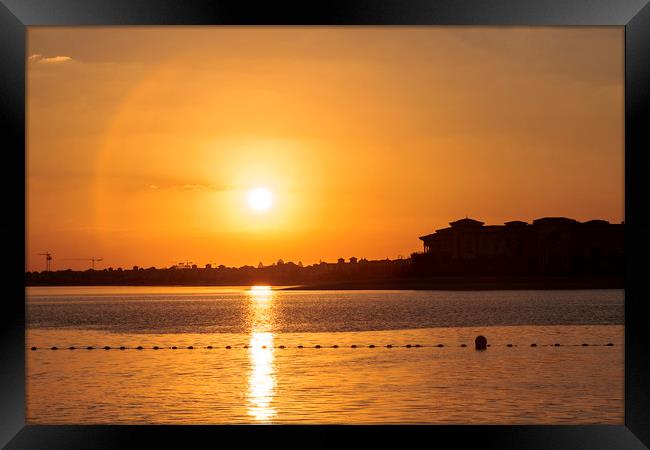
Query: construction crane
(93, 260)
(48, 258)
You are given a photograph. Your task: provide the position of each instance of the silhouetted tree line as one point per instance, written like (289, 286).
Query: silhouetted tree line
(279, 273)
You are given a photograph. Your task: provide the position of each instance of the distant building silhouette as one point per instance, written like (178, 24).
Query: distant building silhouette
(548, 246)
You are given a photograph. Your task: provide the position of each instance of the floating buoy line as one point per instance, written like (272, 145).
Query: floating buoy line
(317, 346)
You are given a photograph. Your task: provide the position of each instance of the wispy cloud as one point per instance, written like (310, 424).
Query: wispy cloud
(190, 187)
(196, 187)
(56, 60)
(40, 59)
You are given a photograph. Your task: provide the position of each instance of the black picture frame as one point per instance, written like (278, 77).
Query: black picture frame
(634, 15)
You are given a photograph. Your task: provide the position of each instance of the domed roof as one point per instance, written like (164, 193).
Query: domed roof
(466, 222)
(554, 221)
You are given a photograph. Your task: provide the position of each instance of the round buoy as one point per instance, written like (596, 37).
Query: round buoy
(89, 348)
(155, 348)
(54, 348)
(33, 348)
(389, 346)
(556, 345)
(107, 348)
(245, 346)
(317, 346)
(610, 344)
(480, 342)
(418, 345)
(174, 348)
(408, 345)
(463, 345)
(190, 347)
(263, 346)
(70, 348)
(353, 346)
(533, 345)
(210, 347)
(300, 346)
(509, 345)
(585, 345)
(282, 346)
(139, 347)
(335, 346)
(228, 347)
(439, 345)
(122, 348)
(371, 346)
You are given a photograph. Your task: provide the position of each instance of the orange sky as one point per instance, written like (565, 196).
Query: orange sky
(143, 142)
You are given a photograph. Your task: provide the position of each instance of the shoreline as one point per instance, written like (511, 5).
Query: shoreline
(426, 283)
(472, 284)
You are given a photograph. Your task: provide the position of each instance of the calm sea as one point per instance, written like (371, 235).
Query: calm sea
(363, 371)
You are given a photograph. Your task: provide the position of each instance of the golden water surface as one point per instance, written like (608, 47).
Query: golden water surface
(266, 378)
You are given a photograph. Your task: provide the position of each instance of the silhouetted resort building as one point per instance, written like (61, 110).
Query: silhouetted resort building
(548, 246)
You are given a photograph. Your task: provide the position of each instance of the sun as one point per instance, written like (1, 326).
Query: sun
(260, 199)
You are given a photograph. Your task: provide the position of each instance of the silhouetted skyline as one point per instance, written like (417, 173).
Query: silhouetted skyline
(550, 246)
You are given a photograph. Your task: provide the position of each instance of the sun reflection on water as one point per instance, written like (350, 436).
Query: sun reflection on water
(261, 381)
(260, 293)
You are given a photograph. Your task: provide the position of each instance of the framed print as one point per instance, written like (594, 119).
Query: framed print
(422, 220)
